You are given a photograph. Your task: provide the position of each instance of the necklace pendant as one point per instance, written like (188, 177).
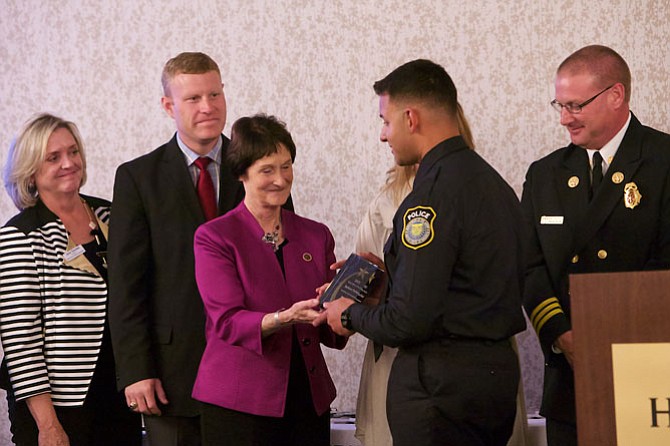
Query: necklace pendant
(271, 238)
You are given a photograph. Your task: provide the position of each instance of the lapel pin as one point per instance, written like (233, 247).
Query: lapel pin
(617, 178)
(573, 182)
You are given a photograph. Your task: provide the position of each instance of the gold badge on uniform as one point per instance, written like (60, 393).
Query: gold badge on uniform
(631, 195)
(573, 182)
(417, 230)
(617, 177)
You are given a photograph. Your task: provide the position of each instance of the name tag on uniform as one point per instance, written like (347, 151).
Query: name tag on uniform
(551, 220)
(73, 253)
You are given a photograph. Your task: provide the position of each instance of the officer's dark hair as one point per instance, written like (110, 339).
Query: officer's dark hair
(420, 80)
(255, 137)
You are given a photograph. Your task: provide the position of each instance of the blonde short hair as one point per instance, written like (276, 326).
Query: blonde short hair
(186, 63)
(27, 153)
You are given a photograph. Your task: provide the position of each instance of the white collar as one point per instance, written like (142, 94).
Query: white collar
(608, 151)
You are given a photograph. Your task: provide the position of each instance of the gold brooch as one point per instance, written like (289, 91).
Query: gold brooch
(617, 177)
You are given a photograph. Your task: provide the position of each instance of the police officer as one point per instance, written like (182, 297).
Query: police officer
(454, 265)
(601, 204)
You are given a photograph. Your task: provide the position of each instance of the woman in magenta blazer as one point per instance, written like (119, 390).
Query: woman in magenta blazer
(262, 378)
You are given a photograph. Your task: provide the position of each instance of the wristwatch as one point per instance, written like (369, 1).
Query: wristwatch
(345, 319)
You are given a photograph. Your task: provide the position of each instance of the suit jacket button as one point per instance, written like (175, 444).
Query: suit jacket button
(306, 341)
(602, 254)
(312, 369)
(575, 259)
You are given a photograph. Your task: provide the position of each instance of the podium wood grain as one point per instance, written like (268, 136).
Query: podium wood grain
(608, 308)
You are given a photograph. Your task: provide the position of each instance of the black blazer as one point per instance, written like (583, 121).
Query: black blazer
(568, 234)
(156, 315)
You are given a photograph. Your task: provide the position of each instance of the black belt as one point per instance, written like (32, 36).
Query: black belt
(456, 339)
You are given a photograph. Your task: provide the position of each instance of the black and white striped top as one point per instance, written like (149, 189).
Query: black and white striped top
(52, 315)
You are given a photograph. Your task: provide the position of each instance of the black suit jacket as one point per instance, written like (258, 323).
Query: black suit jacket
(568, 234)
(156, 315)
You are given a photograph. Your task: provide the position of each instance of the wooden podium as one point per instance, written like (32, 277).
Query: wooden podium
(607, 308)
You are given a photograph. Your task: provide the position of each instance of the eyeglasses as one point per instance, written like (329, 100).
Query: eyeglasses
(573, 108)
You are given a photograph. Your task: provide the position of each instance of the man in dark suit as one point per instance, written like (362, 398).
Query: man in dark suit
(156, 314)
(600, 204)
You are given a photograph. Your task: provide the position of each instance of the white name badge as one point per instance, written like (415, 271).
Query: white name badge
(551, 220)
(74, 253)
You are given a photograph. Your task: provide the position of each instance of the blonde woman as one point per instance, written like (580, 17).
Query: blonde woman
(53, 298)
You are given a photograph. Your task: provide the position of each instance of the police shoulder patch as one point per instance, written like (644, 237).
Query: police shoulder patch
(417, 230)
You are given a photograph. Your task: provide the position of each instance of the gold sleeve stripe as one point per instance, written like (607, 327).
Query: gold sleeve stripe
(545, 311)
(545, 319)
(542, 306)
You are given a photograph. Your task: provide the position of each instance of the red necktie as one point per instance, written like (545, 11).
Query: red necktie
(205, 188)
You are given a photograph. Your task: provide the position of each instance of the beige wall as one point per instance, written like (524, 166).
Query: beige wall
(313, 63)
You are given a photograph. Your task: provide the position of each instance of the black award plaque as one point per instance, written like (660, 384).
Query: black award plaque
(352, 280)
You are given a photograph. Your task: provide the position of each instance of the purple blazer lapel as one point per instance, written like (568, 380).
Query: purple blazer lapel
(266, 268)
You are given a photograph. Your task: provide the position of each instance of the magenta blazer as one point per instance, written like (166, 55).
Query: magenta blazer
(240, 281)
